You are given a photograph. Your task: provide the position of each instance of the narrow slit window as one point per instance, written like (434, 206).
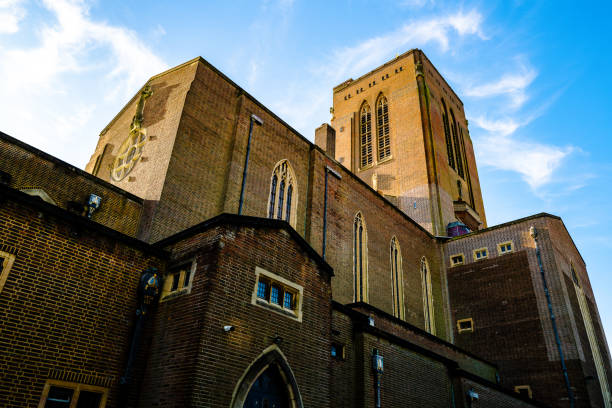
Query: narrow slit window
(458, 158)
(360, 266)
(428, 307)
(397, 279)
(447, 136)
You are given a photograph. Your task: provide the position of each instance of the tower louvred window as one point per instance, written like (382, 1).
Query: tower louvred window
(458, 155)
(382, 123)
(447, 136)
(283, 193)
(365, 135)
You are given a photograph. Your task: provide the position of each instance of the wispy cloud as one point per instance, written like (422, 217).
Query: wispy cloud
(535, 162)
(11, 13)
(369, 53)
(512, 85)
(42, 81)
(306, 103)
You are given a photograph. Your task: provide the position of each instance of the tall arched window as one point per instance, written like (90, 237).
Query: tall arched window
(428, 308)
(397, 279)
(447, 136)
(283, 192)
(458, 157)
(593, 343)
(382, 128)
(365, 135)
(360, 259)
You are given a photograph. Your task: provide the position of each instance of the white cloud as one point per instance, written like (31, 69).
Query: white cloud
(80, 70)
(512, 85)
(535, 162)
(11, 13)
(502, 127)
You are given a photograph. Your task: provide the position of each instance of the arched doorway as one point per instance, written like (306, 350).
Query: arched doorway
(267, 383)
(268, 391)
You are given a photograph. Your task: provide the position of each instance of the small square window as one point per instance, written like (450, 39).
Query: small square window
(6, 261)
(178, 280)
(61, 394)
(504, 247)
(59, 397)
(480, 253)
(524, 390)
(278, 294)
(465, 325)
(456, 259)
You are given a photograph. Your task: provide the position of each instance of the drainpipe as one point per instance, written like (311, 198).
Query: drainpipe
(339, 177)
(148, 292)
(256, 119)
(534, 234)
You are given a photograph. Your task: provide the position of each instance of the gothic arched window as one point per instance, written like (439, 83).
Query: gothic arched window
(382, 127)
(447, 136)
(365, 135)
(428, 308)
(283, 191)
(397, 279)
(360, 259)
(458, 155)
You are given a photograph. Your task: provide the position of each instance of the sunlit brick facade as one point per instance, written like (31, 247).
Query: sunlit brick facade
(228, 261)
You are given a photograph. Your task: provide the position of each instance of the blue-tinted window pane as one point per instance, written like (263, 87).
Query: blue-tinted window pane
(288, 302)
(261, 290)
(59, 397)
(272, 197)
(275, 295)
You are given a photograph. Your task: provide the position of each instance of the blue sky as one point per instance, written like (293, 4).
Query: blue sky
(534, 78)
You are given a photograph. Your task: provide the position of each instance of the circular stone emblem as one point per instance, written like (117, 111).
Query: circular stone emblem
(129, 153)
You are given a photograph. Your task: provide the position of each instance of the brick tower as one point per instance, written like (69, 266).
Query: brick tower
(402, 130)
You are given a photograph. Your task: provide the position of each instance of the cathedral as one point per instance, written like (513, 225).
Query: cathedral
(209, 255)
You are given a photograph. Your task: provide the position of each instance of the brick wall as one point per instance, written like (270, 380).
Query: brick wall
(31, 168)
(191, 352)
(67, 307)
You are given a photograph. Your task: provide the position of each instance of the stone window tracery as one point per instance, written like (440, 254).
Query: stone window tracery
(283, 188)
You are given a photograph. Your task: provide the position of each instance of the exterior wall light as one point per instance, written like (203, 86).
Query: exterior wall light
(93, 203)
(377, 366)
(228, 328)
